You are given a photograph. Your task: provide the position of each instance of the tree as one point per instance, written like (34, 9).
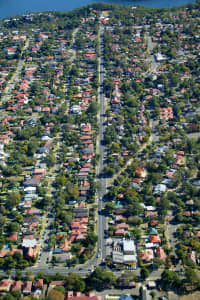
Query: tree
(55, 295)
(9, 297)
(90, 239)
(157, 262)
(134, 220)
(153, 294)
(170, 279)
(76, 248)
(93, 108)
(108, 86)
(61, 289)
(109, 208)
(12, 200)
(74, 71)
(13, 227)
(192, 277)
(61, 180)
(163, 207)
(126, 278)
(101, 279)
(72, 192)
(16, 294)
(144, 273)
(74, 282)
(29, 275)
(18, 274)
(134, 209)
(9, 262)
(109, 171)
(50, 160)
(115, 148)
(32, 147)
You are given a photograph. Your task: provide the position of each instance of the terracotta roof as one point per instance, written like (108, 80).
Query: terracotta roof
(154, 239)
(57, 282)
(16, 286)
(147, 255)
(78, 296)
(153, 223)
(27, 287)
(83, 298)
(39, 283)
(13, 237)
(5, 285)
(119, 232)
(64, 246)
(160, 253)
(122, 226)
(186, 213)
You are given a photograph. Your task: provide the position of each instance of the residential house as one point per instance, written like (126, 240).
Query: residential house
(160, 253)
(147, 255)
(16, 286)
(27, 287)
(5, 285)
(81, 212)
(69, 295)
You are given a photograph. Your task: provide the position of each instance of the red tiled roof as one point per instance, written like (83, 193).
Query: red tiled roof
(13, 237)
(64, 246)
(39, 283)
(186, 213)
(154, 239)
(16, 286)
(147, 255)
(57, 282)
(83, 298)
(122, 226)
(119, 232)
(153, 223)
(160, 253)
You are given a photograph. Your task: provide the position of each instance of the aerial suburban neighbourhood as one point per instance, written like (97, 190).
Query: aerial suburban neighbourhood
(100, 153)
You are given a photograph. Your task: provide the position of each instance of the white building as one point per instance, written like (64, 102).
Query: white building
(160, 188)
(129, 247)
(159, 57)
(130, 255)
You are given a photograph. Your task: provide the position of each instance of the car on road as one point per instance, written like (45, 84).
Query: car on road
(91, 270)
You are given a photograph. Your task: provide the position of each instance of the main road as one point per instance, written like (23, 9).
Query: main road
(154, 63)
(102, 191)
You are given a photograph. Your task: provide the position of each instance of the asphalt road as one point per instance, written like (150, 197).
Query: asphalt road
(102, 192)
(154, 64)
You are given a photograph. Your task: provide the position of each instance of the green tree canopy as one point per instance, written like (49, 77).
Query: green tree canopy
(101, 279)
(55, 295)
(74, 282)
